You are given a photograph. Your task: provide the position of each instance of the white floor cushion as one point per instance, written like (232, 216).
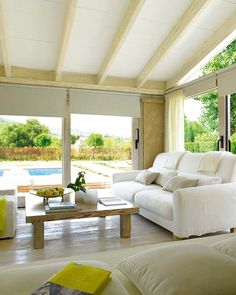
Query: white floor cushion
(127, 189)
(190, 269)
(227, 247)
(159, 202)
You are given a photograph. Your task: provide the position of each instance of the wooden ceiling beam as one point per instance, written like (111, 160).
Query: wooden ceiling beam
(68, 24)
(120, 37)
(178, 31)
(4, 41)
(226, 33)
(24, 76)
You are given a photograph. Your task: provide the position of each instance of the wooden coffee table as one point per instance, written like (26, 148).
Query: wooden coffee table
(35, 214)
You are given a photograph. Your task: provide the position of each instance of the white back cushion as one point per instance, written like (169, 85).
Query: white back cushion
(226, 169)
(190, 162)
(160, 161)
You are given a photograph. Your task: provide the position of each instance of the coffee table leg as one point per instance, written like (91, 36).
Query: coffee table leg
(38, 235)
(125, 225)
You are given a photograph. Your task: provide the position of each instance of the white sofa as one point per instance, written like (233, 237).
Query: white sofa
(190, 211)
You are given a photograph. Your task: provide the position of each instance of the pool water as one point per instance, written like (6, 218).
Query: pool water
(37, 171)
(43, 171)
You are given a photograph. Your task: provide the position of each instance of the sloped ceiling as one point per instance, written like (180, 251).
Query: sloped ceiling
(125, 45)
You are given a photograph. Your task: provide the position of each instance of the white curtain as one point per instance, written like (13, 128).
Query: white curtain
(174, 121)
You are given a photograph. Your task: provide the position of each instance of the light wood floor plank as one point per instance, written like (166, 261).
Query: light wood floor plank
(78, 236)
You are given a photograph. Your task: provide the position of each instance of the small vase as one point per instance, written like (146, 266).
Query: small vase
(79, 197)
(91, 197)
(66, 198)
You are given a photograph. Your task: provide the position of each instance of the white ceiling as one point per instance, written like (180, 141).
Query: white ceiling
(155, 21)
(35, 28)
(194, 38)
(92, 33)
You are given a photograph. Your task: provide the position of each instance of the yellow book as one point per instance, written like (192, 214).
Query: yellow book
(82, 277)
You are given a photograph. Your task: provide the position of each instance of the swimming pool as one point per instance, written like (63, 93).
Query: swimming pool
(43, 171)
(36, 171)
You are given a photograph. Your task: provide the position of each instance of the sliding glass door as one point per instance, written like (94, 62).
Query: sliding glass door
(228, 122)
(201, 124)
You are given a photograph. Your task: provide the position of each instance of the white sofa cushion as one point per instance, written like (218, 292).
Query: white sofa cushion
(210, 161)
(147, 177)
(227, 168)
(181, 270)
(156, 201)
(173, 160)
(178, 182)
(160, 161)
(202, 179)
(127, 189)
(189, 162)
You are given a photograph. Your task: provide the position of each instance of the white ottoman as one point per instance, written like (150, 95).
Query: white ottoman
(10, 216)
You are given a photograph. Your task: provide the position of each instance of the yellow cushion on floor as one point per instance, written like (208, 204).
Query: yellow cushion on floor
(3, 204)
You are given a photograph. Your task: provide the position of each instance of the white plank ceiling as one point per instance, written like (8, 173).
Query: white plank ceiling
(129, 42)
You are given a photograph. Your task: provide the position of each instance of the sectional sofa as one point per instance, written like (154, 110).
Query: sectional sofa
(208, 207)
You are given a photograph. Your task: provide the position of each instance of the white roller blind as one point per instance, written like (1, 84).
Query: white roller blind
(227, 83)
(200, 86)
(104, 103)
(32, 101)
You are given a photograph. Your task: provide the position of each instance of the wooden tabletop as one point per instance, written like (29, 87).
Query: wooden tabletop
(35, 210)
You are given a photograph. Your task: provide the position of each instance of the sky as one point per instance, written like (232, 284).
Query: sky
(106, 125)
(111, 125)
(192, 109)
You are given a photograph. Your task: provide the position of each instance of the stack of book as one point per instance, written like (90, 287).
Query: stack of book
(76, 279)
(60, 207)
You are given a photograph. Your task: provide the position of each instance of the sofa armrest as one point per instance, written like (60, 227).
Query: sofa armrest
(205, 209)
(125, 176)
(8, 191)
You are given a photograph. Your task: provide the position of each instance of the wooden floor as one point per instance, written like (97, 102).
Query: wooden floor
(75, 237)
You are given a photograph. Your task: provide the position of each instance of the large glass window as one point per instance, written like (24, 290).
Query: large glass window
(30, 151)
(100, 145)
(202, 112)
(201, 123)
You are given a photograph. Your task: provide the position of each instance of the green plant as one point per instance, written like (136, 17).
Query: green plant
(79, 184)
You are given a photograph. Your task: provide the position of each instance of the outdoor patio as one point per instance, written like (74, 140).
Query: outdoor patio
(36, 173)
